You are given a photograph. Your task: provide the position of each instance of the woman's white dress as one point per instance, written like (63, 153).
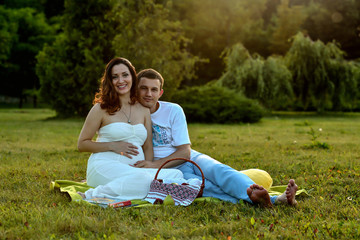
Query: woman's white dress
(111, 174)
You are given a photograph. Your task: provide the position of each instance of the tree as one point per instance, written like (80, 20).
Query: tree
(345, 76)
(278, 93)
(18, 4)
(335, 20)
(214, 26)
(156, 42)
(234, 58)
(7, 34)
(23, 33)
(286, 24)
(321, 77)
(49, 7)
(268, 80)
(70, 68)
(262, 26)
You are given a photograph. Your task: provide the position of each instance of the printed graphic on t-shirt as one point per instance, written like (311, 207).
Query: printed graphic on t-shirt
(159, 136)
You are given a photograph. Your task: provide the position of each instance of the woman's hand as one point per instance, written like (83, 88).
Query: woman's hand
(124, 148)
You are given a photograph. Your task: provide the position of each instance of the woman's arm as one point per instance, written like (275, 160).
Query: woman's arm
(91, 125)
(148, 146)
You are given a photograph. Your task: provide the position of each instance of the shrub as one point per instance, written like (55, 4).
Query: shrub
(216, 104)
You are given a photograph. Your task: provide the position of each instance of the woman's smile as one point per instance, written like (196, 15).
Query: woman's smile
(121, 78)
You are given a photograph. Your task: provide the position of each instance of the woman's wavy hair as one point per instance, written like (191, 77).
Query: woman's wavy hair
(107, 95)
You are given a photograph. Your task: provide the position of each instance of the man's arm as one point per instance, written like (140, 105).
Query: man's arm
(182, 151)
(179, 137)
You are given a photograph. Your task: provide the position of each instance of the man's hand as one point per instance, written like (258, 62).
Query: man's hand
(146, 164)
(124, 148)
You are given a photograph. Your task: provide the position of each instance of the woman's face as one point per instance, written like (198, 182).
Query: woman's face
(121, 78)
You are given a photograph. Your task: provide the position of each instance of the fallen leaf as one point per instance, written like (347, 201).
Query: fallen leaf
(252, 220)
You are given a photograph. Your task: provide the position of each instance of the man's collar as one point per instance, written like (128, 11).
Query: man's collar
(157, 107)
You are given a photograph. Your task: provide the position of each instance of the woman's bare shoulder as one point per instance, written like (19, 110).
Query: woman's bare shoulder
(96, 109)
(141, 108)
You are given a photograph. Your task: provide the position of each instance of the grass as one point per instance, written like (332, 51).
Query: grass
(36, 149)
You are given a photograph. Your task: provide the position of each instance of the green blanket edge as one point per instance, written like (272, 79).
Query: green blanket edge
(71, 188)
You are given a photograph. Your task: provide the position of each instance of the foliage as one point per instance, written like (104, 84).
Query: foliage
(286, 24)
(316, 74)
(278, 92)
(156, 42)
(18, 4)
(179, 39)
(35, 151)
(264, 27)
(234, 58)
(231, 21)
(23, 32)
(70, 68)
(346, 78)
(50, 8)
(335, 20)
(268, 81)
(7, 34)
(215, 104)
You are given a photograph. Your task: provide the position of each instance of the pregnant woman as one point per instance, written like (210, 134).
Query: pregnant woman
(124, 128)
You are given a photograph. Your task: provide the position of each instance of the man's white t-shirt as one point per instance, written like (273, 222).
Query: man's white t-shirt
(169, 129)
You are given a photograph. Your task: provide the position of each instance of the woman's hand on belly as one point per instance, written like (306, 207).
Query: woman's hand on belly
(124, 148)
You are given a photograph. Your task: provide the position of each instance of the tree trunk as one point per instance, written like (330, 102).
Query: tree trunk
(34, 101)
(21, 101)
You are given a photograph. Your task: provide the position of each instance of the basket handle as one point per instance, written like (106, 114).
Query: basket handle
(187, 160)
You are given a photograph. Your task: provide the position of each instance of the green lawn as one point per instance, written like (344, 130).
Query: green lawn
(35, 149)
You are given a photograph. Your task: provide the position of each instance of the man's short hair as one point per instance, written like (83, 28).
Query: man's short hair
(151, 74)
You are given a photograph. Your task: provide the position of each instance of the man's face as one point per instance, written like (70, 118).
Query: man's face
(149, 93)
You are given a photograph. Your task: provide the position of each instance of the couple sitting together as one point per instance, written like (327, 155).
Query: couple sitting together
(137, 133)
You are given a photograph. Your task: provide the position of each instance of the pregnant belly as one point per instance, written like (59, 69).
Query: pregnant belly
(112, 156)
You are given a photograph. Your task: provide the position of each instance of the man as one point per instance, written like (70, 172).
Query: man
(171, 140)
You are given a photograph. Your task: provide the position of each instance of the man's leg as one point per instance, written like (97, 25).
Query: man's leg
(229, 180)
(288, 197)
(211, 189)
